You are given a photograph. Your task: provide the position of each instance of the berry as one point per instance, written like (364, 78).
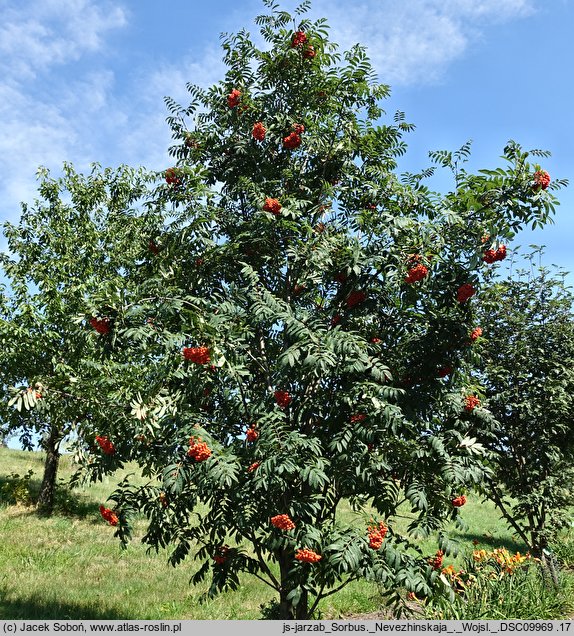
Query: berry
(470, 403)
(272, 205)
(198, 355)
(234, 98)
(355, 298)
(459, 501)
(283, 522)
(299, 38)
(475, 334)
(465, 292)
(259, 131)
(282, 398)
(104, 443)
(307, 556)
(416, 273)
(541, 179)
(292, 141)
(109, 515)
(199, 450)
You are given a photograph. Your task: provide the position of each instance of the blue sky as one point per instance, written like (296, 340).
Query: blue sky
(84, 80)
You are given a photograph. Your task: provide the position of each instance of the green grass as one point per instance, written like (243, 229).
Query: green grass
(70, 566)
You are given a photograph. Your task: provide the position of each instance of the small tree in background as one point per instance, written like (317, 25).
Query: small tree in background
(302, 336)
(80, 235)
(528, 374)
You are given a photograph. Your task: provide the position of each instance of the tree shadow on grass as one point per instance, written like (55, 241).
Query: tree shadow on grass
(24, 490)
(30, 608)
(492, 541)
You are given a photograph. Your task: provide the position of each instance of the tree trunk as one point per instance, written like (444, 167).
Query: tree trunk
(288, 611)
(46, 496)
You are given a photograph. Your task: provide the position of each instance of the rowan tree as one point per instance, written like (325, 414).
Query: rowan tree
(527, 350)
(80, 236)
(303, 335)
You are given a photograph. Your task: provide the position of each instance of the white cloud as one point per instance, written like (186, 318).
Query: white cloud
(415, 41)
(38, 34)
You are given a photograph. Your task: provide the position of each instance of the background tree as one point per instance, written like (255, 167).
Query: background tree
(528, 373)
(308, 321)
(82, 232)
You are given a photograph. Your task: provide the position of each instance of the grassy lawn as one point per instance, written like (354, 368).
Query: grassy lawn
(71, 567)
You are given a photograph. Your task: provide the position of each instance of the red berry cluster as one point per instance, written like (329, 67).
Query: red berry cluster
(541, 179)
(377, 535)
(292, 141)
(475, 334)
(299, 38)
(416, 273)
(251, 433)
(459, 501)
(171, 177)
(272, 205)
(309, 52)
(254, 466)
(491, 256)
(220, 555)
(105, 444)
(259, 131)
(358, 417)
(197, 355)
(234, 98)
(355, 297)
(465, 292)
(307, 556)
(442, 372)
(199, 450)
(101, 325)
(109, 515)
(470, 403)
(282, 398)
(283, 522)
(436, 561)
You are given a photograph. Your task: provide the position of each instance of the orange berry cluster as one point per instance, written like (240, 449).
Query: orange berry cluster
(251, 434)
(254, 466)
(377, 535)
(105, 444)
(491, 256)
(541, 179)
(234, 98)
(283, 522)
(109, 515)
(416, 273)
(470, 403)
(259, 131)
(199, 450)
(475, 334)
(272, 205)
(459, 501)
(436, 561)
(198, 355)
(307, 556)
